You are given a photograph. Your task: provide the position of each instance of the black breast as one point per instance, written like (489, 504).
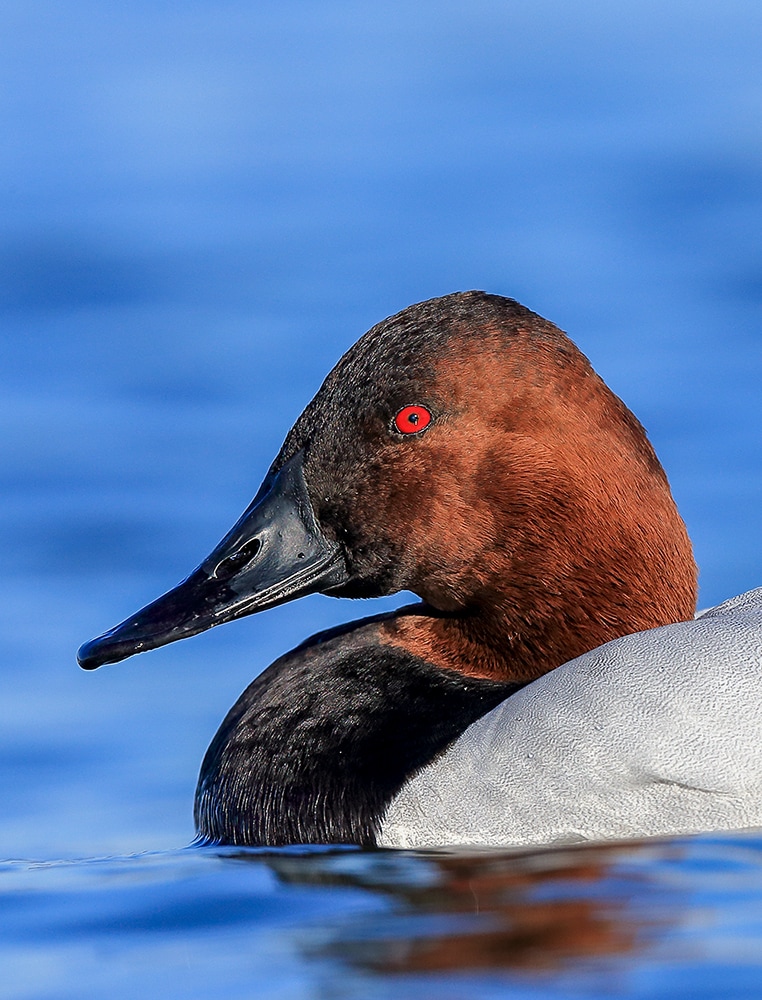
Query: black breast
(317, 746)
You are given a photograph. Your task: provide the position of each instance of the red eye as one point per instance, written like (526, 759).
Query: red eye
(412, 419)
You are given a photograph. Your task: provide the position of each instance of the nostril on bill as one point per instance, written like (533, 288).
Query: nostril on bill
(233, 563)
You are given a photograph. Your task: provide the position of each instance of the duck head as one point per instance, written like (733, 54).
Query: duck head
(466, 451)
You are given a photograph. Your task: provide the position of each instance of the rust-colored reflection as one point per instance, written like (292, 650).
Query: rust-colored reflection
(545, 910)
(511, 926)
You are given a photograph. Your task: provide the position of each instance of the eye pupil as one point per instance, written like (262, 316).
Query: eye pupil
(412, 419)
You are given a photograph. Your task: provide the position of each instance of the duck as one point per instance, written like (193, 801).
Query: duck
(552, 685)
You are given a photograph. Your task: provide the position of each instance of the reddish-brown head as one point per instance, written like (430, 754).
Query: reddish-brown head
(465, 450)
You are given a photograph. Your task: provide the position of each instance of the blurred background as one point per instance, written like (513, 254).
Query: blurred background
(204, 205)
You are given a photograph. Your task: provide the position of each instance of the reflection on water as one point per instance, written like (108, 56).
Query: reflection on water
(503, 924)
(591, 920)
(534, 914)
(491, 912)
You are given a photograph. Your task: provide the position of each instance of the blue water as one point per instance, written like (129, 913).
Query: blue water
(201, 207)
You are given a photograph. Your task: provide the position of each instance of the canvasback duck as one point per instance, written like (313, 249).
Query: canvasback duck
(465, 450)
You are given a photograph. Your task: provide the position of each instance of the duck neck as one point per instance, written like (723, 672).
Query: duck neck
(475, 645)
(500, 644)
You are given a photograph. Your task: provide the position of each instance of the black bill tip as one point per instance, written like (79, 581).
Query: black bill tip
(180, 613)
(97, 652)
(274, 553)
